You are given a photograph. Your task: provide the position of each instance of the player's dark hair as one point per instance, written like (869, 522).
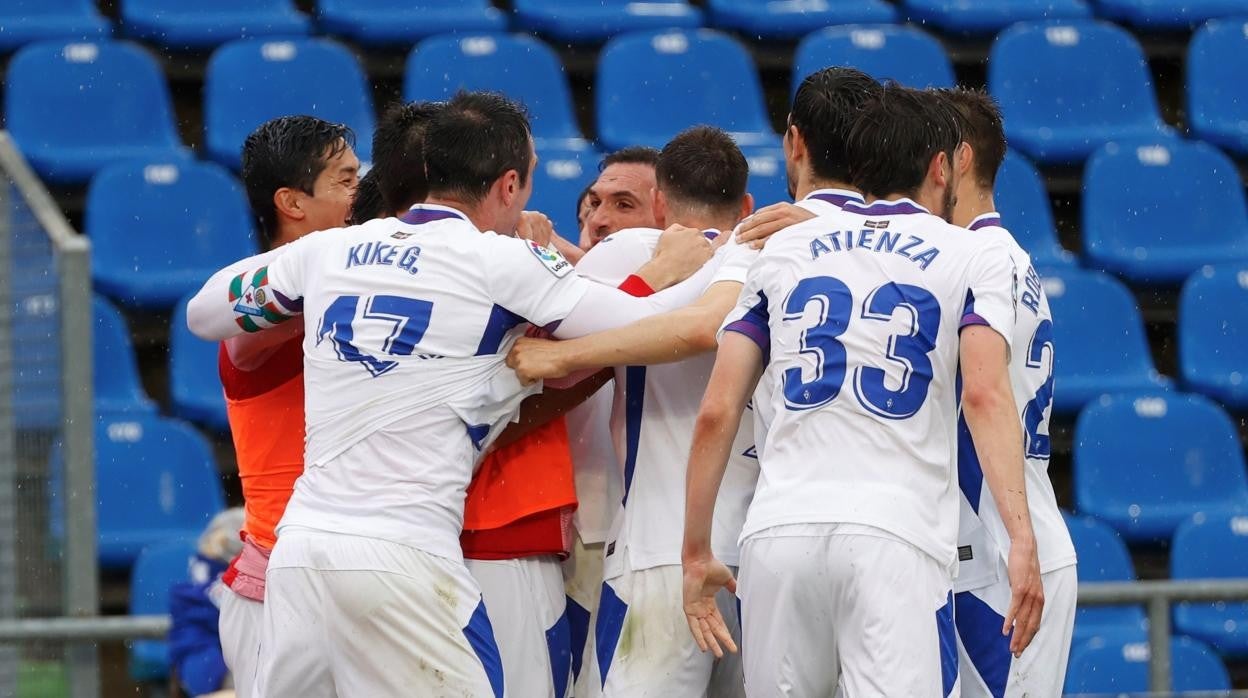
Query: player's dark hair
(982, 127)
(824, 110)
(399, 153)
(632, 155)
(368, 202)
(580, 201)
(472, 141)
(702, 165)
(290, 151)
(895, 138)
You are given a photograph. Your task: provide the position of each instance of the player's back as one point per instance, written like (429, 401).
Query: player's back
(864, 310)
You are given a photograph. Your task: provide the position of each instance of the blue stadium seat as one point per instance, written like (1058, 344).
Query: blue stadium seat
(74, 108)
(26, 21)
(1114, 666)
(898, 52)
(766, 19)
(155, 480)
(1099, 334)
(519, 66)
(558, 180)
(1024, 205)
(193, 220)
(651, 86)
(400, 22)
(116, 374)
(768, 183)
(1169, 14)
(1212, 547)
(194, 381)
(158, 567)
(1103, 557)
(1145, 464)
(1056, 109)
(177, 24)
(1213, 334)
(575, 21)
(989, 16)
(251, 81)
(1142, 203)
(1217, 69)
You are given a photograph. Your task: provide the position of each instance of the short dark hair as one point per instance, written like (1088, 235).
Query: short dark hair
(399, 153)
(895, 138)
(702, 165)
(581, 200)
(982, 127)
(473, 140)
(824, 110)
(632, 155)
(368, 202)
(290, 151)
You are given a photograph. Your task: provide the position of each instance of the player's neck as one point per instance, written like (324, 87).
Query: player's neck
(289, 232)
(701, 220)
(478, 217)
(972, 205)
(809, 186)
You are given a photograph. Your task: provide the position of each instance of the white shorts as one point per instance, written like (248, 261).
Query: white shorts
(240, 626)
(644, 647)
(582, 575)
(526, 603)
(987, 667)
(823, 603)
(354, 616)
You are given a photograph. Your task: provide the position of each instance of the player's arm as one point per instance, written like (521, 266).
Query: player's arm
(228, 304)
(768, 221)
(549, 404)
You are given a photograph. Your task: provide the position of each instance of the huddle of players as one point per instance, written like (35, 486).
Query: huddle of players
(849, 540)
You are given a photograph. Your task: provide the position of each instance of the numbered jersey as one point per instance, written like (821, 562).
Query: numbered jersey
(982, 537)
(407, 326)
(859, 314)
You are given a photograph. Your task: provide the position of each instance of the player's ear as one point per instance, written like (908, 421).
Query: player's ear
(963, 156)
(794, 144)
(939, 170)
(288, 202)
(509, 186)
(747, 205)
(660, 208)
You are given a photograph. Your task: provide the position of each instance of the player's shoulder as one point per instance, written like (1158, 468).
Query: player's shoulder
(512, 252)
(627, 235)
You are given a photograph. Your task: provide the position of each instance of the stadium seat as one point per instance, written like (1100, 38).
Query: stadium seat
(989, 16)
(1156, 212)
(558, 180)
(1114, 666)
(1213, 334)
(74, 108)
(1103, 557)
(155, 480)
(1024, 206)
(157, 569)
(768, 183)
(1217, 68)
(575, 21)
(193, 221)
(181, 25)
(898, 52)
(251, 81)
(652, 85)
(116, 375)
(1169, 14)
(26, 21)
(519, 66)
(194, 382)
(1212, 547)
(400, 22)
(1099, 334)
(1056, 109)
(1145, 464)
(766, 19)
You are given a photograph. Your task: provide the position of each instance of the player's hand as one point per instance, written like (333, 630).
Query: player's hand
(768, 221)
(1026, 596)
(703, 580)
(681, 252)
(536, 227)
(536, 359)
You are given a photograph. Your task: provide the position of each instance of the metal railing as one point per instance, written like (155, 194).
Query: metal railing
(46, 409)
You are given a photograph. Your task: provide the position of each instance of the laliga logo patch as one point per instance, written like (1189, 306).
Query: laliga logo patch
(552, 260)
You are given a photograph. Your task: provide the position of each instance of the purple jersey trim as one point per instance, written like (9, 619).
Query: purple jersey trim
(754, 332)
(972, 319)
(884, 208)
(838, 200)
(418, 215)
(985, 221)
(294, 305)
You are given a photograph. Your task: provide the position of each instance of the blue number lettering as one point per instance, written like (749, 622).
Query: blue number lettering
(408, 318)
(1034, 414)
(834, 304)
(909, 349)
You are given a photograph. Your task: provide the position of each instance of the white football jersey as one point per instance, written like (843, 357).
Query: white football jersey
(408, 322)
(982, 537)
(859, 314)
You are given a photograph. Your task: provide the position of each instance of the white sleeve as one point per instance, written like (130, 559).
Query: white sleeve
(990, 291)
(251, 294)
(751, 316)
(616, 257)
(532, 281)
(606, 308)
(736, 263)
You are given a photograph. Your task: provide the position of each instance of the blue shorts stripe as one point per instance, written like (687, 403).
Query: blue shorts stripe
(611, 613)
(979, 628)
(948, 646)
(480, 634)
(559, 643)
(578, 633)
